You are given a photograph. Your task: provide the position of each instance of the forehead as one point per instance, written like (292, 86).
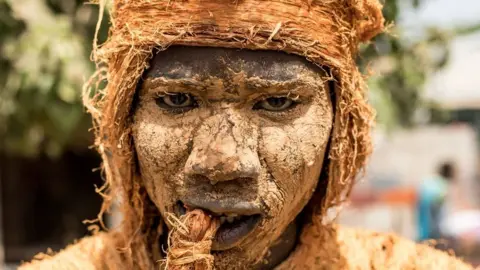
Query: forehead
(203, 62)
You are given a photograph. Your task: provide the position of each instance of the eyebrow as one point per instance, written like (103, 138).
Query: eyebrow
(252, 84)
(153, 84)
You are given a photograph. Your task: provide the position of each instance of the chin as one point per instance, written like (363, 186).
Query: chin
(236, 258)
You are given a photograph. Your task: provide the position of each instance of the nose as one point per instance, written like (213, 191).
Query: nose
(221, 152)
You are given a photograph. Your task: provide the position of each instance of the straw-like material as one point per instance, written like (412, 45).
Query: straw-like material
(337, 248)
(320, 247)
(190, 241)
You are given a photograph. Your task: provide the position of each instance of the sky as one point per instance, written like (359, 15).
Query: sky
(447, 13)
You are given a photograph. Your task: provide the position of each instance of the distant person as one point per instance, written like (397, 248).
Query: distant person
(461, 215)
(431, 202)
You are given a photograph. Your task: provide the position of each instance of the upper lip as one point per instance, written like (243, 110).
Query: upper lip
(224, 207)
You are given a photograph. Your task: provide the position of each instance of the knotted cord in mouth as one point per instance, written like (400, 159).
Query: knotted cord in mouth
(190, 241)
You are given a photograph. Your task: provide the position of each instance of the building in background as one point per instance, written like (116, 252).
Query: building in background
(456, 88)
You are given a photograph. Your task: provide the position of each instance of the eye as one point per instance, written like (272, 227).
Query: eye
(275, 104)
(177, 102)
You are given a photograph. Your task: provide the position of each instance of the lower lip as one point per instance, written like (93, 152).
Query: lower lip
(230, 235)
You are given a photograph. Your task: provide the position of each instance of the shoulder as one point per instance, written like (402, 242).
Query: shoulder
(388, 251)
(336, 247)
(94, 252)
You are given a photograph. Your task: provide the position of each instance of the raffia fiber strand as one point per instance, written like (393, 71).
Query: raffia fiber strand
(190, 241)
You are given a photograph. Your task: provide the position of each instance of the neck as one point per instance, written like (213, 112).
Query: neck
(281, 249)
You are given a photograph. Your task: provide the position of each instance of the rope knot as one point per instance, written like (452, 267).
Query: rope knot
(190, 241)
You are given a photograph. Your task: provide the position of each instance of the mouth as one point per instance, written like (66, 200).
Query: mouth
(236, 223)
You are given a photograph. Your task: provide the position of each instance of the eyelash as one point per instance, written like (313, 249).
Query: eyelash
(161, 103)
(294, 102)
(258, 103)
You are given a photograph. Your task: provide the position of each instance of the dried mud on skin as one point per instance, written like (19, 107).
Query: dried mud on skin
(287, 160)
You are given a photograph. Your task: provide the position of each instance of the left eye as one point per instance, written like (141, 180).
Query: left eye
(176, 101)
(274, 104)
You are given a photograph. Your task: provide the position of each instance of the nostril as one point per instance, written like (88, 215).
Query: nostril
(197, 168)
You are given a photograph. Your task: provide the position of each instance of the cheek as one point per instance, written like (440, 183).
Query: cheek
(293, 155)
(162, 149)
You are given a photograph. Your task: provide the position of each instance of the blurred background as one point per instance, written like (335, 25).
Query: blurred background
(423, 181)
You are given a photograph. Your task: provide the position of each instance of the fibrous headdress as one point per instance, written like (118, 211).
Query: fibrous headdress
(326, 32)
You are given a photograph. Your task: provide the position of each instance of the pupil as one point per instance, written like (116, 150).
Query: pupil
(276, 102)
(179, 99)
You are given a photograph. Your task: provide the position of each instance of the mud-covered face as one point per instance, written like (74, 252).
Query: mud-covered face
(241, 134)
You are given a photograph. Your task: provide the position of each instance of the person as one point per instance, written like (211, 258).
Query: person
(431, 202)
(251, 111)
(460, 217)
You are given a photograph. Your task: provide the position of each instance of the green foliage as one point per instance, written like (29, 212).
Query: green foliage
(45, 60)
(402, 67)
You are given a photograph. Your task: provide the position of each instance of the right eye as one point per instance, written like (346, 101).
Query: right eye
(176, 102)
(275, 104)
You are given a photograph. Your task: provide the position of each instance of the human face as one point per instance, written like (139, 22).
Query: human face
(241, 134)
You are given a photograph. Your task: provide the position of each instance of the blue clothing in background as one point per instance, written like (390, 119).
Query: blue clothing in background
(431, 197)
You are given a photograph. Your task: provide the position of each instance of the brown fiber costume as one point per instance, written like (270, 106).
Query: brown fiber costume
(326, 32)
